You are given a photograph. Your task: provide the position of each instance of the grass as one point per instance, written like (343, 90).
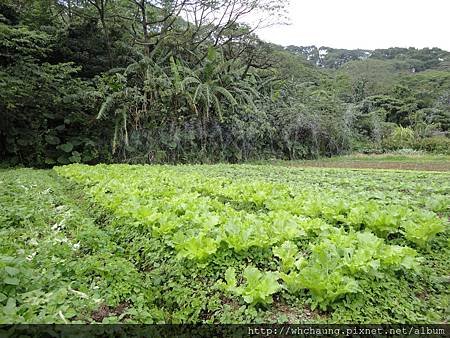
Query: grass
(393, 161)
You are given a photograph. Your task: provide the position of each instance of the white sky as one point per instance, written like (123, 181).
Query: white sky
(365, 24)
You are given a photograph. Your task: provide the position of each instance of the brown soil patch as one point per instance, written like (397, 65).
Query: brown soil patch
(105, 311)
(422, 295)
(294, 314)
(231, 302)
(375, 165)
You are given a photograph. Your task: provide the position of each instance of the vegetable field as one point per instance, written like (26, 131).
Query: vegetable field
(223, 244)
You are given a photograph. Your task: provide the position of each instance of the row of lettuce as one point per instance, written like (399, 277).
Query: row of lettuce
(320, 241)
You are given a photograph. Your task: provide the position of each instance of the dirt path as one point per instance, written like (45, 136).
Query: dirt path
(430, 166)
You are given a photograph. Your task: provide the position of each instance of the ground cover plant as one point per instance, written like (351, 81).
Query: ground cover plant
(404, 160)
(223, 244)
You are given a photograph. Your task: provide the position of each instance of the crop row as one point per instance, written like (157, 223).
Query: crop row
(201, 215)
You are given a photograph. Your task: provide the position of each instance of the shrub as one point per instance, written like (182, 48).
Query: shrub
(436, 144)
(400, 138)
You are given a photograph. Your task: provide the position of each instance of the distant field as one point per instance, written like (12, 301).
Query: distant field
(385, 161)
(223, 244)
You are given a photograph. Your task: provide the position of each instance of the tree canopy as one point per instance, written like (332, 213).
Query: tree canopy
(149, 81)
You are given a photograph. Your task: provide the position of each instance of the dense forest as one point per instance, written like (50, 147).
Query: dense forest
(183, 81)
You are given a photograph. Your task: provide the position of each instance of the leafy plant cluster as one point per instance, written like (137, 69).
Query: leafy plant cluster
(303, 244)
(40, 252)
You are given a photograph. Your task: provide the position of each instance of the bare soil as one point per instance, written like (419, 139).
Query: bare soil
(105, 311)
(374, 165)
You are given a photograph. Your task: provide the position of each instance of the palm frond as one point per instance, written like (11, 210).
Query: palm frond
(226, 94)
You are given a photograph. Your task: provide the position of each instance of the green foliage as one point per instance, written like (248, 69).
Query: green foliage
(38, 272)
(401, 59)
(87, 82)
(423, 228)
(46, 110)
(21, 43)
(149, 244)
(258, 288)
(338, 261)
(198, 247)
(207, 217)
(287, 253)
(437, 144)
(403, 137)
(199, 93)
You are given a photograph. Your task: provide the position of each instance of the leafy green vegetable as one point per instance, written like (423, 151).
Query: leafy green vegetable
(423, 228)
(258, 287)
(151, 242)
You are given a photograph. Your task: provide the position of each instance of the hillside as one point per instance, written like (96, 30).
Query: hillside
(411, 59)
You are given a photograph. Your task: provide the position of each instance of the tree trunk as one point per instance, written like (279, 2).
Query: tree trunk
(145, 28)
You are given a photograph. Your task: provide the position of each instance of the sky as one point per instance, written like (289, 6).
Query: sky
(365, 24)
